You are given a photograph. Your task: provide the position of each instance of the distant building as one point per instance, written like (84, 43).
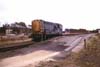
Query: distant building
(8, 31)
(5, 29)
(17, 29)
(14, 28)
(98, 30)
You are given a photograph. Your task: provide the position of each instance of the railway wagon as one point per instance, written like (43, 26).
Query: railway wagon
(43, 29)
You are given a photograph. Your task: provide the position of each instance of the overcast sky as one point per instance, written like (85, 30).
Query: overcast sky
(70, 13)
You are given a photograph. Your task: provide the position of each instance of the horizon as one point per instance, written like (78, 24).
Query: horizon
(1, 25)
(71, 14)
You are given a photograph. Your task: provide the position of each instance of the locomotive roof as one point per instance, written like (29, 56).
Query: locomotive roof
(46, 21)
(50, 22)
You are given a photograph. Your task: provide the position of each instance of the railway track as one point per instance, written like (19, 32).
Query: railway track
(13, 48)
(23, 45)
(44, 51)
(67, 51)
(74, 44)
(9, 47)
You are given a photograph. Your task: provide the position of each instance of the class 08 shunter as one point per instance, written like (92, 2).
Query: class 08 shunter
(42, 30)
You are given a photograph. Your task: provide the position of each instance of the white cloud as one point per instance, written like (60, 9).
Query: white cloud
(70, 13)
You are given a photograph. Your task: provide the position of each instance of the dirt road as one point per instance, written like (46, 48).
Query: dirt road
(33, 54)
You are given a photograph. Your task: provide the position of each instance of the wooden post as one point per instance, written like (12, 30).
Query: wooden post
(85, 45)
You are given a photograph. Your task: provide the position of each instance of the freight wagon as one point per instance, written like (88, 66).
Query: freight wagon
(43, 29)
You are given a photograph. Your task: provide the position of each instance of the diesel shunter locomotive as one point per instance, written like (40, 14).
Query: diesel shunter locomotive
(43, 29)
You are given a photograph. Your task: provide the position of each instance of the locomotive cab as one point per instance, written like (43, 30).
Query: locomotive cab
(36, 29)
